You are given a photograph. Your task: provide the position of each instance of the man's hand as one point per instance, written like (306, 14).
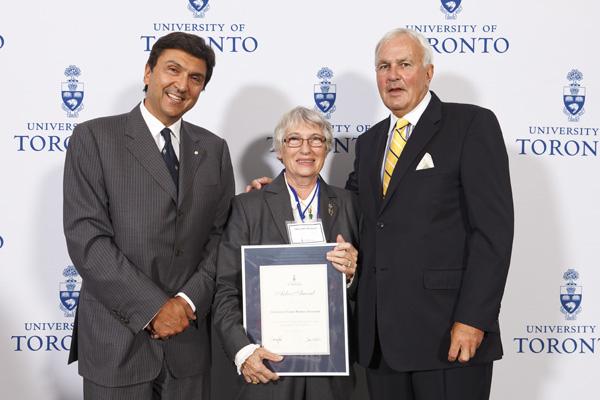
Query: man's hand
(258, 183)
(254, 369)
(172, 318)
(464, 342)
(344, 257)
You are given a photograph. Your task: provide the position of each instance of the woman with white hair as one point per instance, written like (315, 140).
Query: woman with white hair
(303, 138)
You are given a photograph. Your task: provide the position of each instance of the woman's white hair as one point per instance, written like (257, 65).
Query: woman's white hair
(298, 116)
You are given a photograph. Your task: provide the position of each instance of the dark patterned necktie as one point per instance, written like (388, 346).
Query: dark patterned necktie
(168, 154)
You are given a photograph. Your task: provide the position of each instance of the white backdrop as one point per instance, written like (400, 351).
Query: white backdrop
(510, 56)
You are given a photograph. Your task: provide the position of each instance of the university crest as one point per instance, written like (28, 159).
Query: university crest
(69, 291)
(574, 96)
(198, 7)
(570, 295)
(72, 92)
(325, 92)
(451, 8)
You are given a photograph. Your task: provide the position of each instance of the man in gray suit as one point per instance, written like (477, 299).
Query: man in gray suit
(146, 196)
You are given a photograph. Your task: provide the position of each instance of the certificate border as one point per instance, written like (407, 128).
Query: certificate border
(285, 254)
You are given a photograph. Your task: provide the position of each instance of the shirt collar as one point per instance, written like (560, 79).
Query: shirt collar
(155, 126)
(414, 115)
(295, 212)
(312, 192)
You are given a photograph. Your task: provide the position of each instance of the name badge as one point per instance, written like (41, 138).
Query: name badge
(307, 232)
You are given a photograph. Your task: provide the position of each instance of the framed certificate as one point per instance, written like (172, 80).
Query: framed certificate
(294, 304)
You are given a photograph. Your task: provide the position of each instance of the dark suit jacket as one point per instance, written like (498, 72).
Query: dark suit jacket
(437, 248)
(257, 218)
(136, 243)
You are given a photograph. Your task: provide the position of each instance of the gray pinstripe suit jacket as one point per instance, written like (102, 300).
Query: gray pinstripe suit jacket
(136, 243)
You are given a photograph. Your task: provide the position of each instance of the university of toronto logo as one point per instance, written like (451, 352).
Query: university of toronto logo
(69, 291)
(570, 295)
(198, 7)
(574, 96)
(451, 8)
(72, 92)
(325, 92)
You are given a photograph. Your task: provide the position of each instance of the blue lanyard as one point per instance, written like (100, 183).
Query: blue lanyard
(303, 213)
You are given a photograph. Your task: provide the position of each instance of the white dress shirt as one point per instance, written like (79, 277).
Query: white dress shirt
(314, 206)
(412, 117)
(155, 126)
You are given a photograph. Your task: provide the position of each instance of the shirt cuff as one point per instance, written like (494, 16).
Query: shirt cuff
(148, 324)
(349, 283)
(187, 300)
(242, 355)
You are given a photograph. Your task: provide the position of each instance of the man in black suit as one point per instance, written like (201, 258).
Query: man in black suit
(146, 196)
(436, 235)
(434, 188)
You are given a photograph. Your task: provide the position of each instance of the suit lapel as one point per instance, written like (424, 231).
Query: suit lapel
(380, 142)
(426, 128)
(143, 147)
(278, 201)
(191, 154)
(328, 210)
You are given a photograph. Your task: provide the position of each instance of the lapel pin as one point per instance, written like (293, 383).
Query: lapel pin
(196, 152)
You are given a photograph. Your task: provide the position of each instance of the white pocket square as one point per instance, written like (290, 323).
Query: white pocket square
(425, 163)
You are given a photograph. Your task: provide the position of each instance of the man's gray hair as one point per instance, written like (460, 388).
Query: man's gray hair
(419, 38)
(299, 116)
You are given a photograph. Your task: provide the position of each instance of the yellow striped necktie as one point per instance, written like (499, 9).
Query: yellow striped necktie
(396, 146)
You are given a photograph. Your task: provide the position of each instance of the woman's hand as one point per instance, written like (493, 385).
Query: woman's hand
(255, 371)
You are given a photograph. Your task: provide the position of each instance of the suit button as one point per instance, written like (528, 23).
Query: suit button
(179, 213)
(178, 252)
(380, 225)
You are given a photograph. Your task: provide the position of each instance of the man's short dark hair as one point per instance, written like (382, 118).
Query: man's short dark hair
(191, 44)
